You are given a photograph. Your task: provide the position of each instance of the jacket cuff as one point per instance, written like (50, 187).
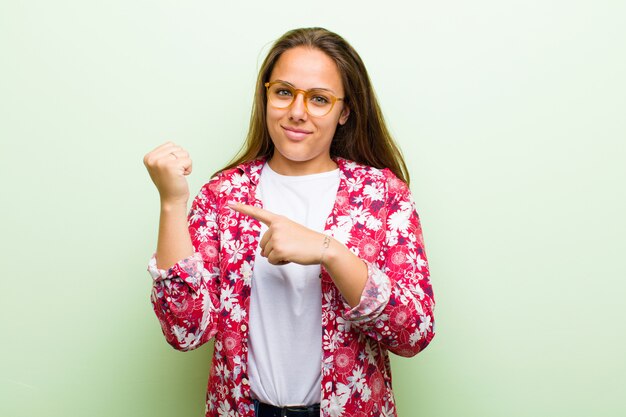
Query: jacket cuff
(374, 297)
(189, 270)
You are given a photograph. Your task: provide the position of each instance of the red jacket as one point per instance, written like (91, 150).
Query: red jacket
(208, 294)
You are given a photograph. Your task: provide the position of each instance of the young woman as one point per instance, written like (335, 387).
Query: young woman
(304, 258)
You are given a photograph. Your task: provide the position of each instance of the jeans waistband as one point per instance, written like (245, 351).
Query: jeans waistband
(267, 410)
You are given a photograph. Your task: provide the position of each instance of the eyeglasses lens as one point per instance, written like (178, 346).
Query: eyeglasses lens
(317, 102)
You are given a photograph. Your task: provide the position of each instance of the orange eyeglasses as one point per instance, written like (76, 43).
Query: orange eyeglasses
(317, 101)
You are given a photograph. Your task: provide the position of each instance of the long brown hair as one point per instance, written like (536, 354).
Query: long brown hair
(364, 138)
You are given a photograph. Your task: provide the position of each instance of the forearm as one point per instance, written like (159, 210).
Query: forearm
(174, 241)
(396, 309)
(185, 305)
(348, 271)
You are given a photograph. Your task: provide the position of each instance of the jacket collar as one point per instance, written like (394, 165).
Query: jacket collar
(252, 169)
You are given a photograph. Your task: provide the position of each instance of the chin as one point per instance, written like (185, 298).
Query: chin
(295, 152)
(295, 157)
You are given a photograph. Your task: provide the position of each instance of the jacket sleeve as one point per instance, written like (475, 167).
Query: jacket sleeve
(186, 298)
(396, 306)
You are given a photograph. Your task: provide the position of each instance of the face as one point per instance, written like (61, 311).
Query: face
(301, 141)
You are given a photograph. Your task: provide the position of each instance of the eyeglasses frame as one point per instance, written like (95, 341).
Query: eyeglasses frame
(296, 91)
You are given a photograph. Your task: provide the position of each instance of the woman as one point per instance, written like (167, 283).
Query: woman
(304, 257)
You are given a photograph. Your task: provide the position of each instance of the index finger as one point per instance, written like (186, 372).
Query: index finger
(258, 213)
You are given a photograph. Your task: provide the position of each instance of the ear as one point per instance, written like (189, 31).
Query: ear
(345, 112)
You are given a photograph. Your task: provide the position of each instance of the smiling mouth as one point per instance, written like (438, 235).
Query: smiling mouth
(295, 134)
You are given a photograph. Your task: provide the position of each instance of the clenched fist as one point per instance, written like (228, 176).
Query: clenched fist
(168, 165)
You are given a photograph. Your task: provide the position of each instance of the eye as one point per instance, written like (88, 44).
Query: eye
(283, 92)
(319, 99)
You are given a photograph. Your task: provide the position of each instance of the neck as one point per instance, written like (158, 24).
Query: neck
(296, 168)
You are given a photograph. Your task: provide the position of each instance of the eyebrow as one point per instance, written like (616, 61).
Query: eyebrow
(314, 88)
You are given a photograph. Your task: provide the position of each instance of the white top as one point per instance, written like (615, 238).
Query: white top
(285, 346)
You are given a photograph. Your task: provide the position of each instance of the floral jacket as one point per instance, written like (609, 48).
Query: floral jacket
(208, 294)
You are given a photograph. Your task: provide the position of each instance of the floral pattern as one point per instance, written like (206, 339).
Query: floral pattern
(208, 294)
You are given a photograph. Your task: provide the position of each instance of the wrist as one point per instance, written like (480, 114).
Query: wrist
(348, 272)
(325, 246)
(332, 250)
(169, 206)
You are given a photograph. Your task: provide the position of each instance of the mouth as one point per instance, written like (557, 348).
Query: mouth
(294, 133)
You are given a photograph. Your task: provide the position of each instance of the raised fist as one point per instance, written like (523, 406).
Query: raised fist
(168, 165)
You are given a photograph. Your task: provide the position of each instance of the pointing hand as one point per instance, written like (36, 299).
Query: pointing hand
(284, 241)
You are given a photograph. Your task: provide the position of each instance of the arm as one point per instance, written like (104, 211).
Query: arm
(396, 305)
(348, 271)
(185, 297)
(389, 300)
(174, 242)
(287, 241)
(185, 293)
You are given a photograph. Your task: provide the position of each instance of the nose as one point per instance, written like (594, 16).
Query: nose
(297, 111)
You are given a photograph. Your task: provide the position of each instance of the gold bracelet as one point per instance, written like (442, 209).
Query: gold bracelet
(325, 246)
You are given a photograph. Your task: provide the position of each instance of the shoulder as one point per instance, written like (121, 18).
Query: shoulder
(236, 178)
(380, 177)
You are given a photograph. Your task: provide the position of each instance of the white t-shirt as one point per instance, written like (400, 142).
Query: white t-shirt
(285, 343)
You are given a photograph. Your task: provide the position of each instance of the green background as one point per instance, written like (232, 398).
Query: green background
(512, 116)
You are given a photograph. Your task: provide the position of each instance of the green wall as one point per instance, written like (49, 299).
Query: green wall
(512, 118)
